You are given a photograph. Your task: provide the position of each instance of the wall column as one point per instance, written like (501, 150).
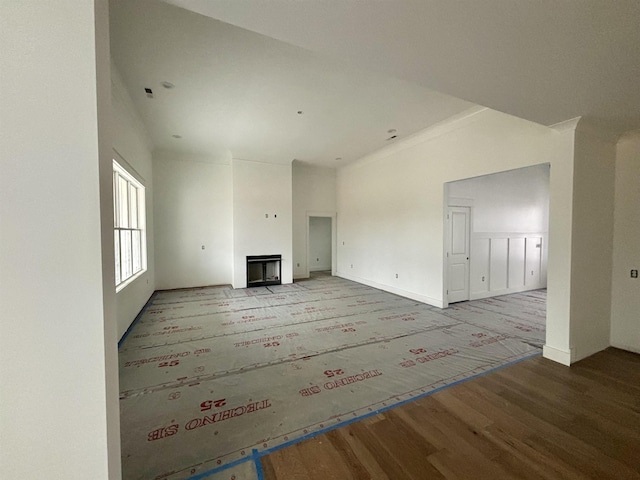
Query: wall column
(580, 243)
(58, 401)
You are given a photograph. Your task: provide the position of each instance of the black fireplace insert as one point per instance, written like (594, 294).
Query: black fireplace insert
(263, 270)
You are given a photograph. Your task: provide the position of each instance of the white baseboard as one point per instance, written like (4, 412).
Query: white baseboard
(398, 291)
(557, 355)
(505, 291)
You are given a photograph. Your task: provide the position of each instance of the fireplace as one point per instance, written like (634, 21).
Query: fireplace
(263, 270)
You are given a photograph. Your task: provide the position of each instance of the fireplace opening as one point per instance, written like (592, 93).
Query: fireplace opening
(263, 270)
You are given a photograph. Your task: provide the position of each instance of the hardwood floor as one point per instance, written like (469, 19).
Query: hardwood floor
(535, 419)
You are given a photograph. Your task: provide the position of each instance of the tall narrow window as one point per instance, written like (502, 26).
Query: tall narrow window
(129, 222)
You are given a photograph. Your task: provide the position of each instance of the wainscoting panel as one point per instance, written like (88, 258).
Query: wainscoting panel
(479, 265)
(516, 262)
(498, 274)
(503, 263)
(533, 261)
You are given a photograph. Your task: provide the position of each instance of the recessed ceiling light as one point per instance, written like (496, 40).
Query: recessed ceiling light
(392, 130)
(176, 136)
(167, 85)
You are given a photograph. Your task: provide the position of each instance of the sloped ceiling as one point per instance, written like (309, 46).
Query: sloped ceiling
(545, 60)
(238, 93)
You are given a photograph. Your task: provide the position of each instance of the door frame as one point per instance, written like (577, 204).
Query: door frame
(453, 202)
(334, 239)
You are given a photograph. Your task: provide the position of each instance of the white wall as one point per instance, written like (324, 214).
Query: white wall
(319, 244)
(625, 302)
(510, 217)
(391, 203)
(592, 242)
(314, 191)
(262, 216)
(133, 152)
(58, 341)
(511, 201)
(193, 208)
(557, 346)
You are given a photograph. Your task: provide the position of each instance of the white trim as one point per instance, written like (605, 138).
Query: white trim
(479, 235)
(557, 355)
(445, 240)
(570, 124)
(441, 128)
(141, 209)
(130, 280)
(460, 201)
(505, 291)
(398, 291)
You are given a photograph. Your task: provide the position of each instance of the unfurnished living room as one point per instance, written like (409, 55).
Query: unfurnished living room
(392, 239)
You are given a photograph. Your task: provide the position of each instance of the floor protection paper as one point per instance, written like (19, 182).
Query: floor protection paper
(233, 379)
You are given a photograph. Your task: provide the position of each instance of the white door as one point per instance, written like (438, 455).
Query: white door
(458, 254)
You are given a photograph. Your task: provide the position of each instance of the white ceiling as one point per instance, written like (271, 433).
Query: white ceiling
(542, 60)
(237, 93)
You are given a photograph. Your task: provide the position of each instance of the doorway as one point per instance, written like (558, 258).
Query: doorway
(321, 243)
(507, 229)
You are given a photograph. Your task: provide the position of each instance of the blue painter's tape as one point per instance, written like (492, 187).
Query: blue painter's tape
(257, 455)
(256, 458)
(389, 407)
(222, 468)
(137, 319)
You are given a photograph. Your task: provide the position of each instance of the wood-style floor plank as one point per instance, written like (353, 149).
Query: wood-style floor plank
(536, 419)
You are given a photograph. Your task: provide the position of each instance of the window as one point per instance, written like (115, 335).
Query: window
(129, 227)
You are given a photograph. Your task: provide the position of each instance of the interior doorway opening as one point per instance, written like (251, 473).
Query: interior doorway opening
(321, 243)
(496, 234)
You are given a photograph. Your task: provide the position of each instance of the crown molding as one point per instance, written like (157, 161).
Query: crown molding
(571, 124)
(436, 130)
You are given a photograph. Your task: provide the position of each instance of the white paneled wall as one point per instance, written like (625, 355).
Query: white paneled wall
(517, 263)
(506, 263)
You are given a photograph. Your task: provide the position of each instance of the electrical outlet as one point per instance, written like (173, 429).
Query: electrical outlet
(483, 279)
(396, 275)
(203, 247)
(298, 264)
(634, 273)
(352, 265)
